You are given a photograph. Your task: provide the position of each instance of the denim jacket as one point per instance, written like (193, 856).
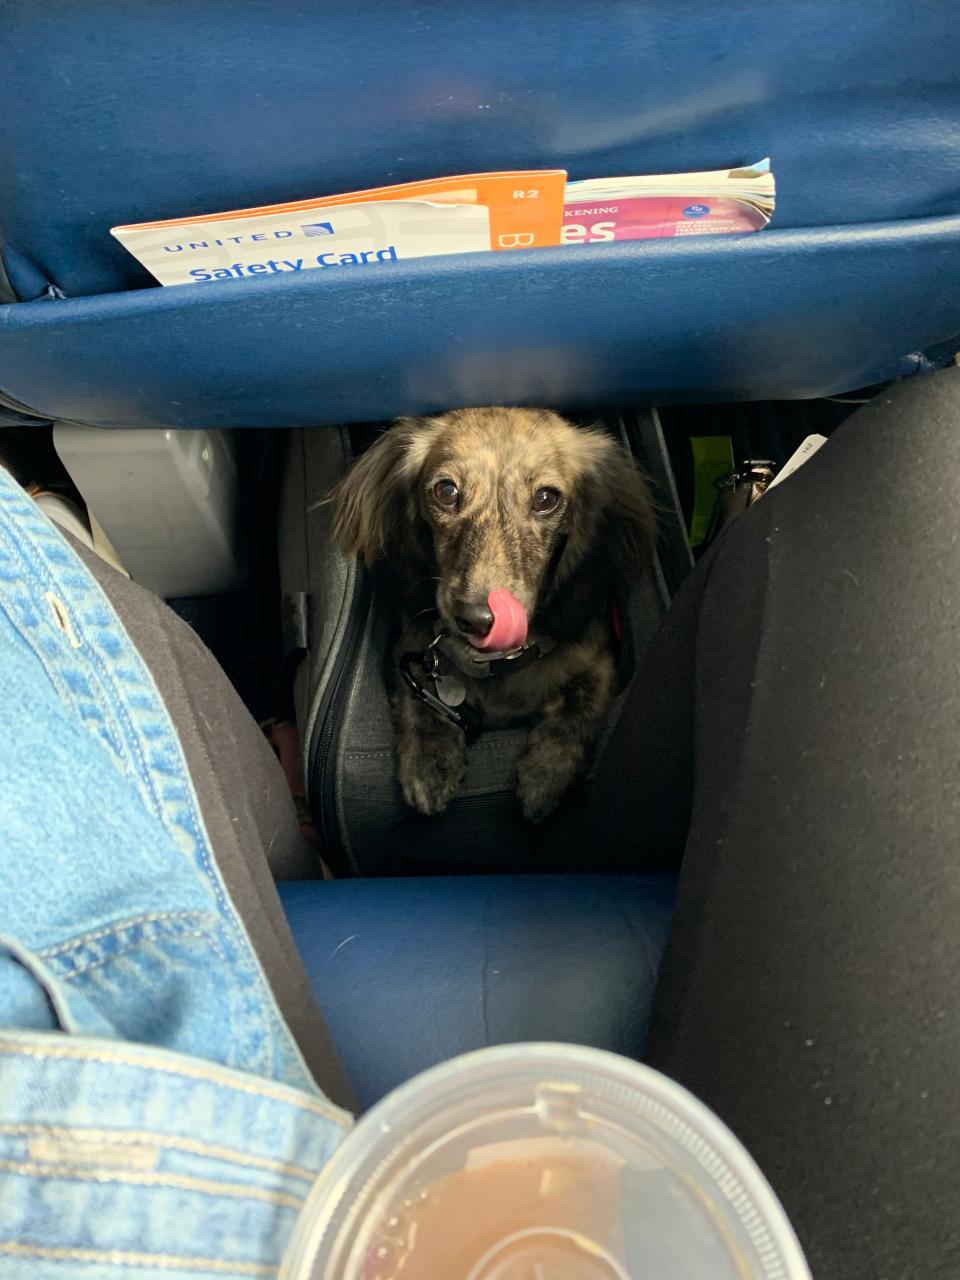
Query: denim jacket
(156, 1117)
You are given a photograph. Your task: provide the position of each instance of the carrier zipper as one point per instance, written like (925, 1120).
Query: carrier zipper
(326, 732)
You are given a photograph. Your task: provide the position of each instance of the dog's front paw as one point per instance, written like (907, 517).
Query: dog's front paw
(430, 768)
(544, 773)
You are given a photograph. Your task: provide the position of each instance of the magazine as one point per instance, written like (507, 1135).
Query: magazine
(717, 202)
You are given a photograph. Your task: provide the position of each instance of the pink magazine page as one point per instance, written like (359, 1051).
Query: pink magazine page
(656, 217)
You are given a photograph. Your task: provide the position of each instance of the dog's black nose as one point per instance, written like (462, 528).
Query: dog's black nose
(472, 619)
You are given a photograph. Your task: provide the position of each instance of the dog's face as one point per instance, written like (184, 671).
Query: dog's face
(499, 490)
(496, 505)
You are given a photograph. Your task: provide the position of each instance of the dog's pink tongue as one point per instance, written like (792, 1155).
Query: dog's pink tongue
(509, 628)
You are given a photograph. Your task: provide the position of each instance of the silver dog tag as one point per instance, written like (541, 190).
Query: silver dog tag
(450, 689)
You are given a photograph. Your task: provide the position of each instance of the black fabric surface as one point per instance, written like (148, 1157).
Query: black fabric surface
(803, 701)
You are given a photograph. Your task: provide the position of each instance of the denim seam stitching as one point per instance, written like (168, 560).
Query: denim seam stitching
(79, 970)
(165, 1181)
(92, 713)
(197, 1070)
(149, 917)
(163, 1141)
(127, 1257)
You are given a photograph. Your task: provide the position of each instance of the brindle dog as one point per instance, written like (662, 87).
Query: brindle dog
(545, 515)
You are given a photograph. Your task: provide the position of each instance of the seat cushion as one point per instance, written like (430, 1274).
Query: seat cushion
(409, 972)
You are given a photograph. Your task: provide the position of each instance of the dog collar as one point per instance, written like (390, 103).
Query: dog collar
(444, 691)
(485, 664)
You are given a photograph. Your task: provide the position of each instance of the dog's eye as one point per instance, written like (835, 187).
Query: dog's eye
(545, 500)
(446, 493)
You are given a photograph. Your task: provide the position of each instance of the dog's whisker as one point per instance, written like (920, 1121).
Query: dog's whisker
(422, 612)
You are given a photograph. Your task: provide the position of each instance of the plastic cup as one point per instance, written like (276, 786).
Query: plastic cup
(542, 1162)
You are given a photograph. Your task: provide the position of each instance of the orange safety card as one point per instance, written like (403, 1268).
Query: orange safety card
(468, 213)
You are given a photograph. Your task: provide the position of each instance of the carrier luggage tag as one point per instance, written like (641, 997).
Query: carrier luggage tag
(448, 692)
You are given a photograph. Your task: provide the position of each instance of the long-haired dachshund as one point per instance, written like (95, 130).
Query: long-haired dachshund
(504, 532)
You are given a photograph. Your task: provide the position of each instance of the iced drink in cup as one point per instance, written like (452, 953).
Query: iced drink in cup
(542, 1162)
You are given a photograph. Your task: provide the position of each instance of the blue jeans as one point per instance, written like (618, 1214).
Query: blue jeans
(156, 1115)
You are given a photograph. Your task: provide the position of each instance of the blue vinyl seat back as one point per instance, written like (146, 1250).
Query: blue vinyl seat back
(128, 110)
(410, 972)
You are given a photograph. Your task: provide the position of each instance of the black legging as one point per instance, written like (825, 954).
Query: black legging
(795, 735)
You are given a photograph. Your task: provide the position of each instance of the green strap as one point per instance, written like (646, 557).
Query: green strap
(712, 461)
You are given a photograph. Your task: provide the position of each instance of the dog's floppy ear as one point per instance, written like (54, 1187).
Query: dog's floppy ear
(376, 495)
(612, 533)
(630, 520)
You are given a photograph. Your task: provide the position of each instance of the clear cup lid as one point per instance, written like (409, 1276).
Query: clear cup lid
(542, 1162)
